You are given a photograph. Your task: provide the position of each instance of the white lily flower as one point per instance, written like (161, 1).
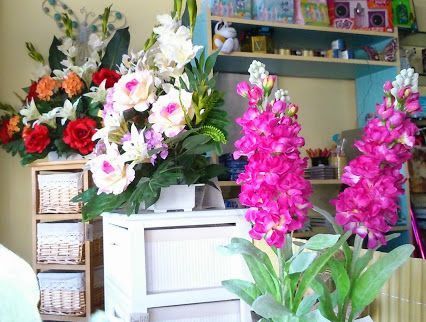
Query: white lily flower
(136, 150)
(95, 42)
(68, 111)
(68, 48)
(166, 24)
(98, 94)
(48, 118)
(29, 112)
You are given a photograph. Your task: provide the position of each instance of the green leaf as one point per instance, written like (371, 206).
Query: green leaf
(306, 305)
(369, 284)
(325, 301)
(214, 133)
(86, 195)
(55, 55)
(104, 203)
(362, 262)
(210, 62)
(212, 171)
(7, 109)
(321, 241)
(246, 291)
(316, 267)
(14, 147)
(268, 308)
(195, 141)
(202, 60)
(30, 158)
(314, 316)
(258, 262)
(301, 262)
(340, 278)
(116, 48)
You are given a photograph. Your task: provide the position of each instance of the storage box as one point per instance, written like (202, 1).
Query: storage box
(62, 293)
(272, 10)
(56, 189)
(313, 12)
(361, 14)
(231, 8)
(60, 243)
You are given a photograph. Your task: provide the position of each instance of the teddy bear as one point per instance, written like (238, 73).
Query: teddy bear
(225, 38)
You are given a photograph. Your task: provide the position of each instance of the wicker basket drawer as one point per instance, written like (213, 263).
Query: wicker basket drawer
(56, 189)
(60, 243)
(62, 293)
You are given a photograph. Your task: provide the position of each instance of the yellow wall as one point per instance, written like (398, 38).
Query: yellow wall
(327, 106)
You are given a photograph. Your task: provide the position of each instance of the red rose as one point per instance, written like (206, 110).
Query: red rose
(4, 135)
(32, 92)
(111, 77)
(36, 139)
(78, 135)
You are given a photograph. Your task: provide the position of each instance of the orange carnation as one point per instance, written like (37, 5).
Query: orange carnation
(45, 87)
(13, 127)
(72, 84)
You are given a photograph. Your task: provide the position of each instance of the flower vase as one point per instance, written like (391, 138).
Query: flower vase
(179, 197)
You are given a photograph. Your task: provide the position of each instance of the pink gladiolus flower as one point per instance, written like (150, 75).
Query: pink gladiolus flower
(273, 183)
(369, 206)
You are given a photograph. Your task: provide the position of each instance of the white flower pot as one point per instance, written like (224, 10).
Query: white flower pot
(179, 197)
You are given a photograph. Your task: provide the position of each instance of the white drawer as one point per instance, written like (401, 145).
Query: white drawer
(182, 258)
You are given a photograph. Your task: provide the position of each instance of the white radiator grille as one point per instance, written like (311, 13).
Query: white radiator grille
(187, 258)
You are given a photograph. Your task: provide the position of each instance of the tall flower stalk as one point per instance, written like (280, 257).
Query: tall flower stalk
(369, 206)
(274, 189)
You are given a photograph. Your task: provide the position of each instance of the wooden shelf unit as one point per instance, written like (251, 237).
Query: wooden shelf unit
(87, 267)
(303, 37)
(297, 27)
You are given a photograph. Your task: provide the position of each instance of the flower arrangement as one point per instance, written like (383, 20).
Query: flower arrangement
(367, 208)
(274, 188)
(160, 119)
(60, 110)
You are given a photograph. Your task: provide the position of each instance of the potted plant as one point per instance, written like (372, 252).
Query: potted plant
(277, 194)
(59, 113)
(368, 208)
(160, 120)
(274, 187)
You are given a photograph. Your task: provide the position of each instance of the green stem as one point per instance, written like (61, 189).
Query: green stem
(355, 255)
(280, 256)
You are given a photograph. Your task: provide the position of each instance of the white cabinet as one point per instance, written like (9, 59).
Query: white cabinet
(167, 267)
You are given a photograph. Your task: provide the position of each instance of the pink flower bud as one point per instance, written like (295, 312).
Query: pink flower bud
(243, 89)
(279, 107)
(387, 87)
(292, 110)
(268, 83)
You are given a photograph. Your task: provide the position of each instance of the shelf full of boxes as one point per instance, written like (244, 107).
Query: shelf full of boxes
(67, 253)
(313, 50)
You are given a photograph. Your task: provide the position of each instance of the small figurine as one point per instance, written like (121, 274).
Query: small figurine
(225, 38)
